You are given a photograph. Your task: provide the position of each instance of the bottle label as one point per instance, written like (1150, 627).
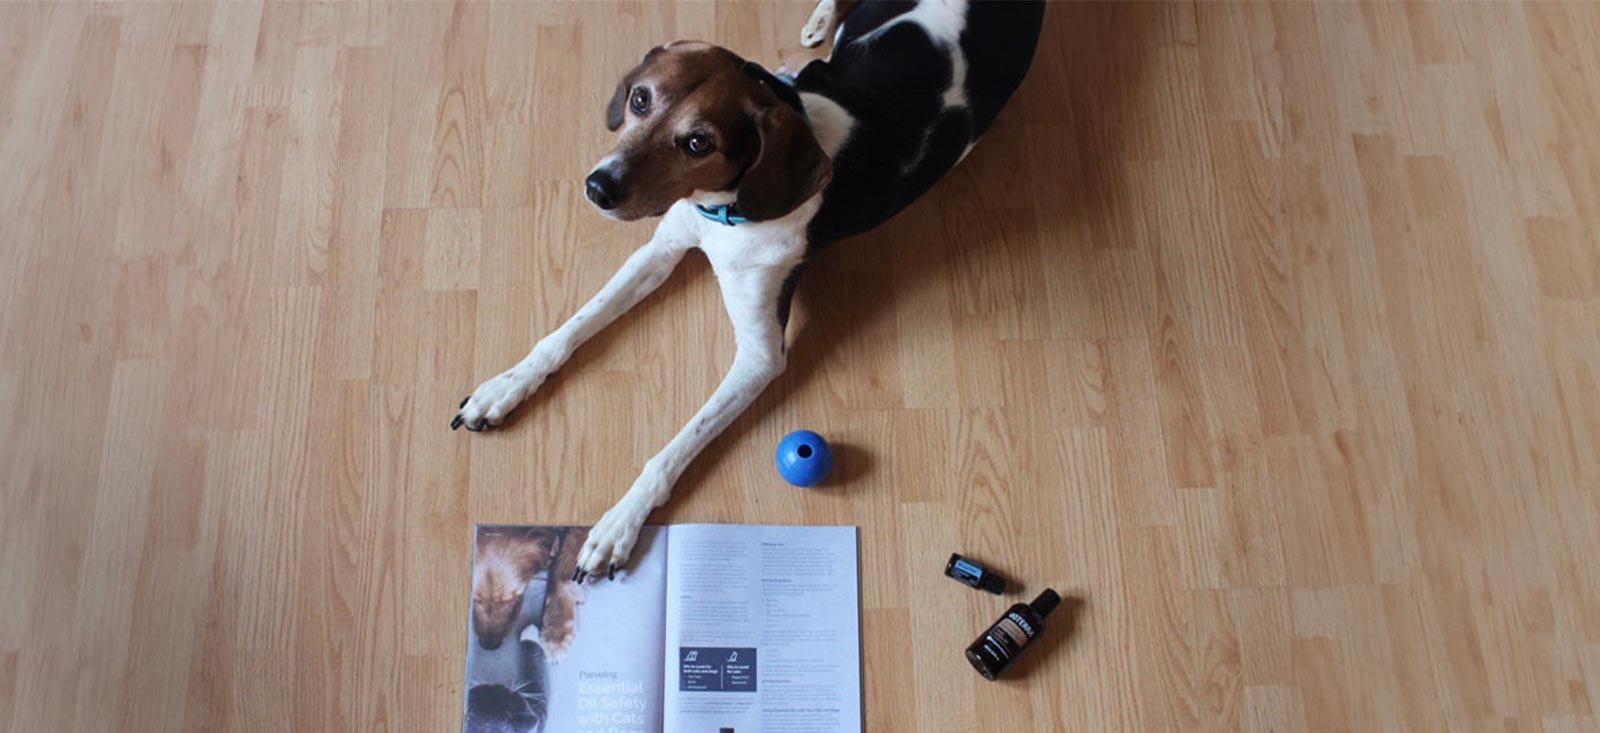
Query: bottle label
(1007, 637)
(966, 572)
(1022, 623)
(1014, 632)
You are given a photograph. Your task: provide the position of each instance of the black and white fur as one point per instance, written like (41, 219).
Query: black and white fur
(908, 89)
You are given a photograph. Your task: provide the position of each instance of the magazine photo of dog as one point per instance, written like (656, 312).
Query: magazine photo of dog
(545, 653)
(523, 615)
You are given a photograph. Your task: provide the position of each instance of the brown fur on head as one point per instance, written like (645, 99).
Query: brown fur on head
(695, 117)
(506, 558)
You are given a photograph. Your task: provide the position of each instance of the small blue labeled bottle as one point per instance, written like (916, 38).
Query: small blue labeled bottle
(969, 573)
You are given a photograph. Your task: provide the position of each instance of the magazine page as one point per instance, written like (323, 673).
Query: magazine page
(763, 630)
(547, 654)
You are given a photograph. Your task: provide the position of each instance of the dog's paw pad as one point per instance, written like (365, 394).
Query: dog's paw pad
(812, 37)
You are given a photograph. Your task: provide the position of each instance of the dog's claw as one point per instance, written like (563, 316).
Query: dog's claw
(464, 401)
(456, 423)
(611, 572)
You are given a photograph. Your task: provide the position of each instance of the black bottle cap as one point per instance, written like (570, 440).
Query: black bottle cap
(1046, 602)
(993, 583)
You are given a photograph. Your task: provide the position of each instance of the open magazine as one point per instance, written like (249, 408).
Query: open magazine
(712, 628)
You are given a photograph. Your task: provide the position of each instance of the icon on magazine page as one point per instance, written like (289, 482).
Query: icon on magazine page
(706, 669)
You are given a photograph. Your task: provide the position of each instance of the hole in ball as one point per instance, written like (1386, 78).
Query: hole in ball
(805, 451)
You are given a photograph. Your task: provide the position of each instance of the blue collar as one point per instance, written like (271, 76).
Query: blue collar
(724, 214)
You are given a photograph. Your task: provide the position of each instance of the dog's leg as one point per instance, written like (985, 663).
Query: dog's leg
(824, 20)
(644, 271)
(752, 301)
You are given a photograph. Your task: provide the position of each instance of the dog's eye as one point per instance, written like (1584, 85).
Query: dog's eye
(698, 145)
(639, 101)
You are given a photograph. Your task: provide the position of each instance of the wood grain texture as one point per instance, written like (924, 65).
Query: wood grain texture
(1269, 333)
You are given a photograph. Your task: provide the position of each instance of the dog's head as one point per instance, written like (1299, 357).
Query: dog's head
(505, 560)
(695, 117)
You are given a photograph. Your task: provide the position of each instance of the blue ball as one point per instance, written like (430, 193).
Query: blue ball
(804, 458)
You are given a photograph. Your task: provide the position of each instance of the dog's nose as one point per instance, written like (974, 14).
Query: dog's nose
(603, 189)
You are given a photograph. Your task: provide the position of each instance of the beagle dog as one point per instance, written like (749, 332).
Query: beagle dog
(761, 173)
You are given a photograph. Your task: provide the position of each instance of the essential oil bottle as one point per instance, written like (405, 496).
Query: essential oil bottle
(967, 572)
(993, 652)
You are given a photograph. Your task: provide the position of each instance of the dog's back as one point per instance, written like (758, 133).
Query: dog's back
(923, 81)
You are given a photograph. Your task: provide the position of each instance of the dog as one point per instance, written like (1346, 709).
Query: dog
(505, 560)
(761, 173)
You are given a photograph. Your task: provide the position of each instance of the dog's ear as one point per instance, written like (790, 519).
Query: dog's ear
(614, 108)
(533, 550)
(789, 169)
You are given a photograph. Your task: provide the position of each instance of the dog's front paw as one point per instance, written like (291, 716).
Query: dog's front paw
(555, 644)
(611, 540)
(493, 400)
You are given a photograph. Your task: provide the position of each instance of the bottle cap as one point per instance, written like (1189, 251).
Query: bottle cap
(1046, 602)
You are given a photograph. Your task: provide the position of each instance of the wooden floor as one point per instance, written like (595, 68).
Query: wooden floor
(1270, 333)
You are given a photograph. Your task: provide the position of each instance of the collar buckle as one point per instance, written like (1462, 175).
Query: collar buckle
(723, 214)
